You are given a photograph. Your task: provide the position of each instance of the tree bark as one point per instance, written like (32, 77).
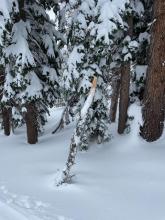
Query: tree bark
(6, 112)
(124, 98)
(153, 111)
(115, 96)
(124, 87)
(6, 115)
(31, 123)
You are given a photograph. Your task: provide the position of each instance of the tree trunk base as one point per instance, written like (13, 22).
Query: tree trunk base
(31, 124)
(124, 98)
(6, 114)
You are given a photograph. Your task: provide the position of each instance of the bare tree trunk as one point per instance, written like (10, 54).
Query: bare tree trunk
(124, 98)
(124, 88)
(115, 96)
(6, 114)
(154, 99)
(31, 123)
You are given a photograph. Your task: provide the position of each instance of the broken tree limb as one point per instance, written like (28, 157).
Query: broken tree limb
(66, 113)
(61, 122)
(75, 141)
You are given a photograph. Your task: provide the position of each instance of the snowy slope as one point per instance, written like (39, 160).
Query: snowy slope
(8, 213)
(120, 180)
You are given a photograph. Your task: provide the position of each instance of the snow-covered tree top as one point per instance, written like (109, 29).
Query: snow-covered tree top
(109, 16)
(6, 6)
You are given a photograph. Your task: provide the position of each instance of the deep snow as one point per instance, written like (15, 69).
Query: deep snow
(120, 180)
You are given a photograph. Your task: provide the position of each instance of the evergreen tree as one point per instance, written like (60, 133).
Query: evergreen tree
(6, 8)
(32, 63)
(90, 40)
(92, 28)
(126, 46)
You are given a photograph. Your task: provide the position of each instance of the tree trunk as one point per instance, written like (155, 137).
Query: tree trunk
(6, 112)
(31, 123)
(154, 100)
(124, 98)
(115, 96)
(124, 87)
(22, 13)
(6, 115)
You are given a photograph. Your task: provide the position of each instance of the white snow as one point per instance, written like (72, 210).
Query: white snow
(19, 47)
(8, 213)
(121, 180)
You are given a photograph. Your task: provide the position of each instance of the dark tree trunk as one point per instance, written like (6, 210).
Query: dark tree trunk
(31, 123)
(124, 88)
(115, 96)
(1, 87)
(154, 100)
(124, 98)
(22, 13)
(6, 112)
(6, 115)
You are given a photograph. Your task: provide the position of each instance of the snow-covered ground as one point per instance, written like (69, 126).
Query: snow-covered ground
(120, 180)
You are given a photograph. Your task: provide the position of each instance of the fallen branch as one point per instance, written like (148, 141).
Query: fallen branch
(61, 122)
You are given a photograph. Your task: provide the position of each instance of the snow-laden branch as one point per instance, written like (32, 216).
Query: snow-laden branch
(65, 177)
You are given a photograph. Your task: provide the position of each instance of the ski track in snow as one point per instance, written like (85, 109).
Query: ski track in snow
(16, 207)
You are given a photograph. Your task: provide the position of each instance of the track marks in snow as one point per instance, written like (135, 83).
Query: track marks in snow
(22, 207)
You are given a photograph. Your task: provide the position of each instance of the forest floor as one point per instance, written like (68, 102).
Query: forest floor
(123, 179)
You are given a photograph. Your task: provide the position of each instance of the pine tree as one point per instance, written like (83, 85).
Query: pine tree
(6, 8)
(90, 41)
(32, 63)
(91, 35)
(124, 58)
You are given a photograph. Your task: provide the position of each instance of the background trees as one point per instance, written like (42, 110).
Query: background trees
(103, 39)
(32, 63)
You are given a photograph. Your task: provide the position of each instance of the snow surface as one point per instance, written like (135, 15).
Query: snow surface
(8, 213)
(123, 179)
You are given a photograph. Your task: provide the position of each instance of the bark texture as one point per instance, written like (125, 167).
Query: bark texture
(124, 98)
(124, 87)
(154, 100)
(31, 123)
